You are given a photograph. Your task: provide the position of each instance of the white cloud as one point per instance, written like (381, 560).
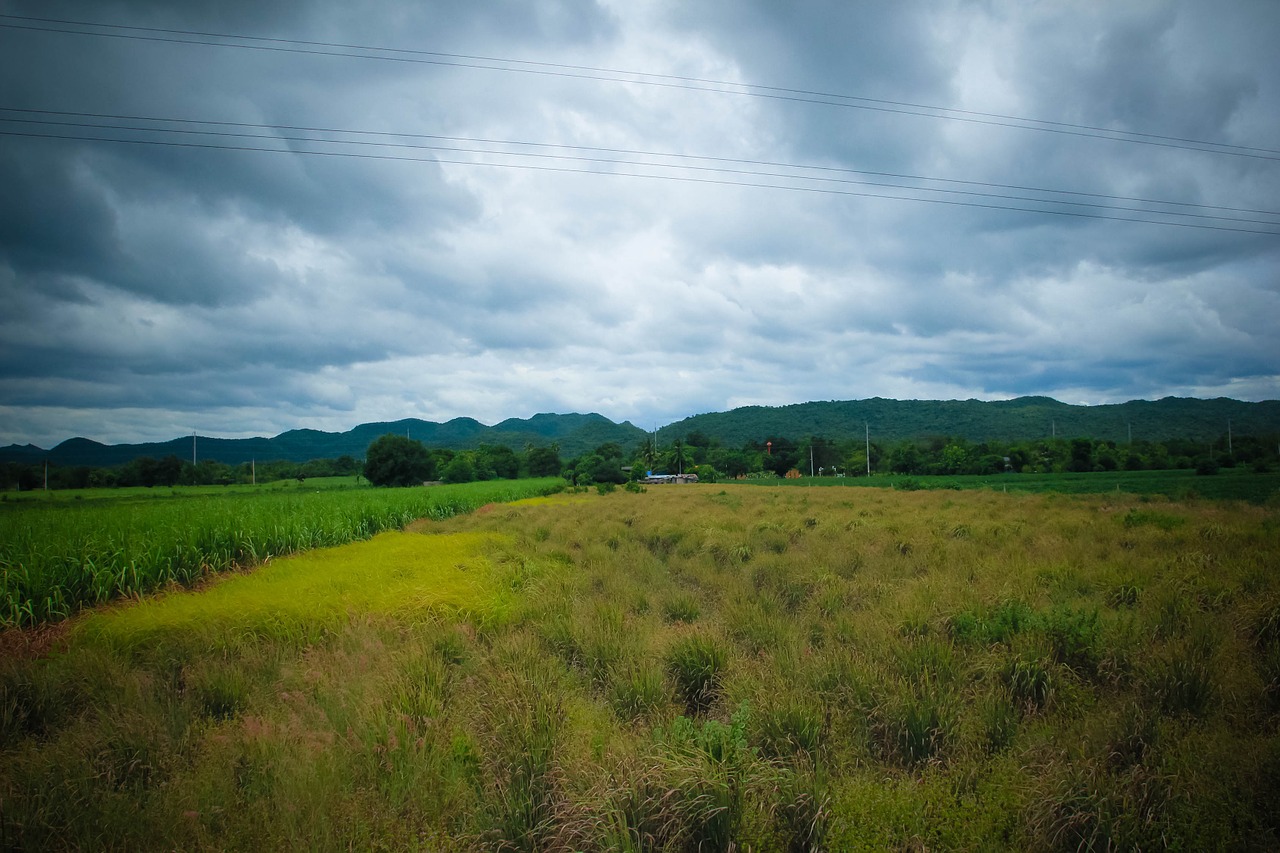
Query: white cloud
(150, 289)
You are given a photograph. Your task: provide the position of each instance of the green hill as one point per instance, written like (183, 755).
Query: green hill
(575, 433)
(888, 420)
(1005, 420)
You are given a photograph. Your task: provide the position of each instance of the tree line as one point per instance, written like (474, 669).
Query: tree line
(395, 460)
(779, 456)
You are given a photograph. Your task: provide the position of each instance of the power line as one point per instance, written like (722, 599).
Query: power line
(673, 178)
(299, 46)
(622, 151)
(754, 173)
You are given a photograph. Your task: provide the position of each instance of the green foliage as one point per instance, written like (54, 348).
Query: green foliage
(998, 625)
(460, 469)
(395, 460)
(1163, 520)
(1074, 638)
(543, 461)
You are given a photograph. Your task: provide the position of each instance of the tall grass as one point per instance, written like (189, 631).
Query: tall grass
(694, 668)
(56, 557)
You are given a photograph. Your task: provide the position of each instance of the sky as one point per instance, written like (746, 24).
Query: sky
(239, 218)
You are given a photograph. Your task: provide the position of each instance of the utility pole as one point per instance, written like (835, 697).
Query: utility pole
(193, 447)
(253, 472)
(1229, 452)
(810, 457)
(867, 427)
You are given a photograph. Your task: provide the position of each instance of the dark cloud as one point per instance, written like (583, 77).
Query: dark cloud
(149, 286)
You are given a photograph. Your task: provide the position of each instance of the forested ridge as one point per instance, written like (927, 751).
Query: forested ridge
(1182, 426)
(1018, 420)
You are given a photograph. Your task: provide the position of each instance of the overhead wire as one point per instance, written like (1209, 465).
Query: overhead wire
(645, 78)
(663, 177)
(625, 151)
(188, 130)
(276, 44)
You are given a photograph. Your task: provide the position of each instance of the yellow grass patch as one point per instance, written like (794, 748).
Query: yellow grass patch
(395, 574)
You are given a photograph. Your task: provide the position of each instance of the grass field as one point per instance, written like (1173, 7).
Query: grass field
(696, 667)
(62, 553)
(1229, 484)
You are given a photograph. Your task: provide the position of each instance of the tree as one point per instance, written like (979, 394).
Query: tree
(499, 459)
(544, 461)
(396, 460)
(954, 459)
(461, 469)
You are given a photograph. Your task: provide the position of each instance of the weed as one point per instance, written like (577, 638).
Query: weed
(1074, 638)
(791, 726)
(711, 763)
(804, 810)
(1152, 518)
(1089, 809)
(999, 721)
(221, 690)
(637, 690)
(1124, 595)
(914, 728)
(1136, 737)
(1184, 682)
(697, 663)
(1030, 682)
(681, 608)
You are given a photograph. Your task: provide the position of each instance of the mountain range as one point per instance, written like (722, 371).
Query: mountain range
(887, 421)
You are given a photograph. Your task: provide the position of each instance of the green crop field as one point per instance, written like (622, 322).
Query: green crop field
(137, 493)
(696, 667)
(60, 553)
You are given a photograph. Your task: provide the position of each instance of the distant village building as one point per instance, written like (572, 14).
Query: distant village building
(662, 479)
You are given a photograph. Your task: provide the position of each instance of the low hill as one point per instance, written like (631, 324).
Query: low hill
(889, 421)
(1020, 419)
(575, 433)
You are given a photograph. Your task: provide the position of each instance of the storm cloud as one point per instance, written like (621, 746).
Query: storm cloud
(243, 218)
